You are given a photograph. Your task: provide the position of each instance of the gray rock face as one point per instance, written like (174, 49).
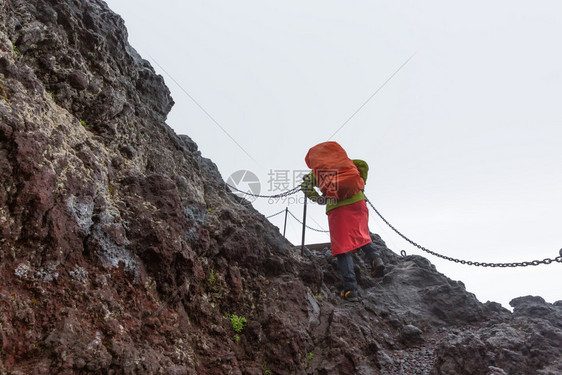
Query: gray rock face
(528, 342)
(121, 251)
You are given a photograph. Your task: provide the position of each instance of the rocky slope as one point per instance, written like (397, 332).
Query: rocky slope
(121, 251)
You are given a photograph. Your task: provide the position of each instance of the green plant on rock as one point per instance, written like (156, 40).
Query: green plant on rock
(237, 325)
(3, 94)
(111, 189)
(84, 123)
(16, 50)
(237, 322)
(213, 282)
(267, 372)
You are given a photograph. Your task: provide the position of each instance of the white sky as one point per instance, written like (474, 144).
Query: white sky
(463, 143)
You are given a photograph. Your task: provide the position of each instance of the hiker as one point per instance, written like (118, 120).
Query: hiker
(341, 181)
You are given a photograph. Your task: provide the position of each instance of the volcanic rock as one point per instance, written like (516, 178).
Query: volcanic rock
(121, 252)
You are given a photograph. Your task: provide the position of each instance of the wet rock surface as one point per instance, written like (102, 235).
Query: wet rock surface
(121, 252)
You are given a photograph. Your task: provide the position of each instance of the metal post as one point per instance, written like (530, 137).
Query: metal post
(303, 224)
(285, 225)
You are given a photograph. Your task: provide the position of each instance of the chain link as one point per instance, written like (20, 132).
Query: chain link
(280, 212)
(309, 227)
(451, 259)
(467, 262)
(294, 190)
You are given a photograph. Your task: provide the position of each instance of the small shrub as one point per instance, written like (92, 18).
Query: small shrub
(3, 94)
(213, 282)
(212, 277)
(237, 323)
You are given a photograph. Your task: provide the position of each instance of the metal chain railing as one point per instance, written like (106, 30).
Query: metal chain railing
(461, 261)
(467, 262)
(280, 195)
(307, 226)
(275, 214)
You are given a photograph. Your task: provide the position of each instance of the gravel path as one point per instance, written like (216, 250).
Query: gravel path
(419, 360)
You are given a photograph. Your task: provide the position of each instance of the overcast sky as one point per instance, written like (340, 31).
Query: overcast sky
(463, 141)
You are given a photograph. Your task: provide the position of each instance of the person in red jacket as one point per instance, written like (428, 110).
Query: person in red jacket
(348, 215)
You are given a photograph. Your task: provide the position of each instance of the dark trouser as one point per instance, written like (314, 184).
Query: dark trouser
(345, 264)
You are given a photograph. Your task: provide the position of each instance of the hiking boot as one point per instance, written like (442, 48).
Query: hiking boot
(350, 295)
(377, 266)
